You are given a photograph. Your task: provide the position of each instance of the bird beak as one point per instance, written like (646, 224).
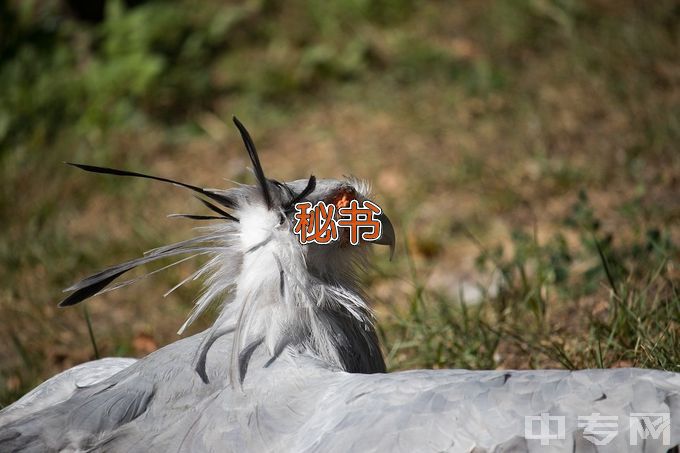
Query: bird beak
(387, 236)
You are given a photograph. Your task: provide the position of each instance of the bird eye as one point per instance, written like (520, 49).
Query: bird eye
(282, 218)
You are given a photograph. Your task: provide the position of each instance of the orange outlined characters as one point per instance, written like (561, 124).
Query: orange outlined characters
(317, 226)
(361, 222)
(318, 223)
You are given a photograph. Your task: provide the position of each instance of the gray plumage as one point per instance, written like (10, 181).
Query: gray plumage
(300, 404)
(292, 362)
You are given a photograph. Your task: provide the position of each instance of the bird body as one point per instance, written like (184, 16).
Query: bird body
(301, 404)
(293, 363)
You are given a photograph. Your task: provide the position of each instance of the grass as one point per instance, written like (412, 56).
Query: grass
(526, 150)
(597, 303)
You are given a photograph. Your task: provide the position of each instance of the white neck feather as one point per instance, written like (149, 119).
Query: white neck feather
(275, 301)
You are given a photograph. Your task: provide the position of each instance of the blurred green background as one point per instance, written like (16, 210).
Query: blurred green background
(527, 151)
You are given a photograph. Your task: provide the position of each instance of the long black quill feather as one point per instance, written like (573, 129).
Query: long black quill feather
(309, 188)
(257, 167)
(216, 209)
(93, 284)
(221, 199)
(90, 290)
(197, 216)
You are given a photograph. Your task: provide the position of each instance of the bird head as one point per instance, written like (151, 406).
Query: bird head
(330, 260)
(277, 290)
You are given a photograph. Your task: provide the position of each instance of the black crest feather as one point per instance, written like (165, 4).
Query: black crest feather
(221, 199)
(309, 188)
(221, 212)
(95, 283)
(197, 216)
(257, 167)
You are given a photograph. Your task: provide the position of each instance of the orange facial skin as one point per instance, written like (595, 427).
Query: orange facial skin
(341, 199)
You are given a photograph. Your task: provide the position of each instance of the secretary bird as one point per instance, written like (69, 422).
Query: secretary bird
(293, 363)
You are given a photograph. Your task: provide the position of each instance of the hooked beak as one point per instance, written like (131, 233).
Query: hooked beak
(387, 236)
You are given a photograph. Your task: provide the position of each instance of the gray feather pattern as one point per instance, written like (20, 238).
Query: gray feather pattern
(205, 348)
(300, 404)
